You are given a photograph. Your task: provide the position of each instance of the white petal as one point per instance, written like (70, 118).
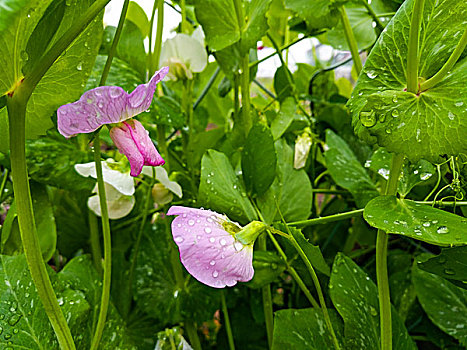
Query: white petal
(118, 205)
(187, 49)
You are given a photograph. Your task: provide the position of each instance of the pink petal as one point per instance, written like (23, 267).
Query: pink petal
(132, 140)
(208, 252)
(106, 105)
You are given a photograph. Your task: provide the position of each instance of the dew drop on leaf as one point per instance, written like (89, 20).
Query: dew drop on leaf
(442, 230)
(368, 119)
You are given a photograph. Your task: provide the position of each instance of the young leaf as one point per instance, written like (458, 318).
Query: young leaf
(451, 263)
(259, 159)
(418, 221)
(430, 123)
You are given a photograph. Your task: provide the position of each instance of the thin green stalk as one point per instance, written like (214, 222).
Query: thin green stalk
(228, 329)
(315, 279)
(150, 53)
(105, 298)
(205, 91)
(192, 331)
(435, 79)
(412, 54)
(184, 24)
(245, 83)
(348, 32)
(374, 16)
(188, 109)
(162, 145)
(293, 273)
(158, 44)
(267, 299)
(113, 47)
(264, 88)
(381, 262)
(16, 106)
(327, 219)
(236, 97)
(2, 186)
(95, 242)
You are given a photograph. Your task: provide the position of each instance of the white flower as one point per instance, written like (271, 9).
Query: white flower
(119, 189)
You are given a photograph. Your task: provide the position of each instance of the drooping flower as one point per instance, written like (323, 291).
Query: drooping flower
(213, 249)
(185, 55)
(119, 189)
(112, 105)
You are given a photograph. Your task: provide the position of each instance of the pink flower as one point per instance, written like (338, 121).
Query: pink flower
(112, 105)
(213, 249)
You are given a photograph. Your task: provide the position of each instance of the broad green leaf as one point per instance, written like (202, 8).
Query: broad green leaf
(259, 160)
(284, 118)
(219, 21)
(130, 48)
(45, 225)
(10, 11)
(304, 329)
(167, 111)
(291, 189)
(418, 221)
(346, 170)
(355, 297)
(451, 263)
(137, 15)
(282, 85)
(256, 25)
(444, 303)
(159, 292)
(63, 82)
(268, 266)
(426, 125)
(220, 189)
(318, 14)
(411, 176)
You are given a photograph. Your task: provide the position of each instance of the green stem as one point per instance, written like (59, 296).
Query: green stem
(245, 83)
(107, 246)
(374, 16)
(188, 107)
(131, 271)
(16, 106)
(184, 24)
(192, 331)
(205, 91)
(151, 26)
(113, 48)
(158, 44)
(381, 262)
(327, 219)
(2, 186)
(349, 36)
(162, 145)
(95, 242)
(293, 273)
(315, 279)
(228, 329)
(267, 299)
(412, 54)
(435, 79)
(236, 98)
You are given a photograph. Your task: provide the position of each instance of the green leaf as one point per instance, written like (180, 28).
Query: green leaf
(259, 159)
(130, 48)
(426, 125)
(284, 118)
(10, 11)
(418, 221)
(304, 329)
(167, 111)
(346, 170)
(224, 30)
(268, 266)
(63, 82)
(355, 297)
(451, 263)
(256, 25)
(444, 303)
(137, 15)
(291, 189)
(282, 86)
(221, 190)
(318, 14)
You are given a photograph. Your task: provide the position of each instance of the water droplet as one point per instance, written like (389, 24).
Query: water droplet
(207, 230)
(368, 119)
(223, 241)
(7, 336)
(434, 222)
(24, 55)
(458, 104)
(373, 311)
(382, 118)
(451, 115)
(426, 224)
(79, 66)
(394, 99)
(388, 131)
(395, 113)
(14, 319)
(212, 263)
(212, 239)
(215, 274)
(238, 246)
(191, 222)
(371, 74)
(179, 239)
(442, 230)
(449, 272)
(116, 92)
(442, 260)
(425, 176)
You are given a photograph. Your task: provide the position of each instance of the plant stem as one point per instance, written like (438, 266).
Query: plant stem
(162, 145)
(381, 262)
(95, 243)
(293, 273)
(374, 16)
(246, 121)
(267, 299)
(435, 79)
(192, 331)
(264, 88)
(326, 219)
(2, 186)
(184, 24)
(158, 43)
(150, 48)
(315, 279)
(205, 91)
(113, 47)
(107, 246)
(348, 32)
(228, 329)
(412, 54)
(188, 109)
(16, 106)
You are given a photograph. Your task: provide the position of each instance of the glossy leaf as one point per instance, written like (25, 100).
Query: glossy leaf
(418, 221)
(304, 329)
(284, 118)
(346, 170)
(355, 297)
(451, 263)
(259, 159)
(444, 303)
(220, 189)
(10, 11)
(318, 14)
(431, 123)
(137, 15)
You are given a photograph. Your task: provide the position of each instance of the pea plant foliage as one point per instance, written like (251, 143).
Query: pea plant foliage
(162, 194)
